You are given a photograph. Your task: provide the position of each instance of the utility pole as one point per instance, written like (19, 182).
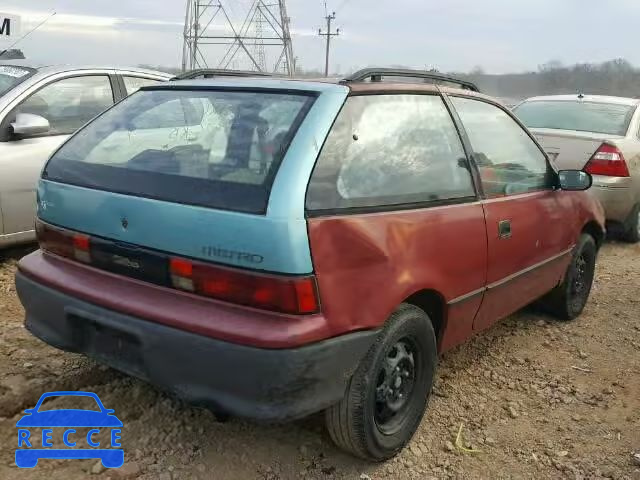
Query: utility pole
(328, 34)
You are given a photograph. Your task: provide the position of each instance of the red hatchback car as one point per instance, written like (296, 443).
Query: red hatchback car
(306, 246)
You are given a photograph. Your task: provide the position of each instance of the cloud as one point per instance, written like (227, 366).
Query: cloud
(500, 35)
(75, 24)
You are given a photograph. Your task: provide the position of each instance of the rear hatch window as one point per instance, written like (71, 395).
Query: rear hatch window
(607, 118)
(213, 148)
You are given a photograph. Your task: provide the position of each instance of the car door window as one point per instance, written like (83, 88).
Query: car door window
(508, 159)
(70, 103)
(132, 84)
(390, 150)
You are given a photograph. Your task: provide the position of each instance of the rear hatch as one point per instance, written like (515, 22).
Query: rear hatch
(174, 183)
(571, 131)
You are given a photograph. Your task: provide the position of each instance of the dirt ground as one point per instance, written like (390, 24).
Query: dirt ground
(535, 398)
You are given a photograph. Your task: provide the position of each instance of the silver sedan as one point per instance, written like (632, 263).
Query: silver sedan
(40, 106)
(600, 135)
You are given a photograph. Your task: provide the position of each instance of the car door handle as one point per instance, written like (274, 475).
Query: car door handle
(504, 228)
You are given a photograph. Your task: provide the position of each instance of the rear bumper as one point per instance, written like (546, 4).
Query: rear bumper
(258, 383)
(617, 196)
(175, 308)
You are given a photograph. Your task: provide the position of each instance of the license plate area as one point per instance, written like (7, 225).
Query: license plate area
(115, 347)
(130, 260)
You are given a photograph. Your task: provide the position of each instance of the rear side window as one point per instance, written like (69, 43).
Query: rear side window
(390, 150)
(607, 118)
(69, 103)
(218, 149)
(508, 160)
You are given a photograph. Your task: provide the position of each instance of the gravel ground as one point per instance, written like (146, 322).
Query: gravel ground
(534, 398)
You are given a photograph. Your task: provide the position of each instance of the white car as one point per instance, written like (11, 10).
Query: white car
(40, 106)
(600, 135)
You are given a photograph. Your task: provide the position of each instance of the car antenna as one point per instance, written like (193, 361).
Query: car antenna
(26, 34)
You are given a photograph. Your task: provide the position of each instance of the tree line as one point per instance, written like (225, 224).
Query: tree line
(614, 77)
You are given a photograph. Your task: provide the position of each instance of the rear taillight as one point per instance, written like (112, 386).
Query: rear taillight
(608, 161)
(295, 295)
(292, 295)
(63, 242)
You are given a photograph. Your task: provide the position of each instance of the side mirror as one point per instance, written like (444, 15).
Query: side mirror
(28, 125)
(575, 180)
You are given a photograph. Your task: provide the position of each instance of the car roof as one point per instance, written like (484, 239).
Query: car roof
(73, 393)
(586, 98)
(274, 83)
(315, 85)
(49, 69)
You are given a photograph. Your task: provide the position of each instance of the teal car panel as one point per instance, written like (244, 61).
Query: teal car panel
(278, 238)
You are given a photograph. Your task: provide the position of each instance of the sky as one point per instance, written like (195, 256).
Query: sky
(499, 36)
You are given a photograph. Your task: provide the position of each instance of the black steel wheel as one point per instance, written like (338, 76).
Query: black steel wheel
(567, 301)
(387, 395)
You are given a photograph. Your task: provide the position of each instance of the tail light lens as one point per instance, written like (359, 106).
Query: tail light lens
(608, 161)
(63, 242)
(295, 295)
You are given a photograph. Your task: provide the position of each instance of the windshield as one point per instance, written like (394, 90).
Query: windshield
(607, 118)
(72, 402)
(10, 76)
(219, 149)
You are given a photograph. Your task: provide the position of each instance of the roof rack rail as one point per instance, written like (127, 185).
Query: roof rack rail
(376, 75)
(217, 72)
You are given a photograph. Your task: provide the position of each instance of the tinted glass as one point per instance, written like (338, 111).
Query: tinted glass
(607, 118)
(133, 84)
(509, 161)
(213, 148)
(11, 76)
(173, 114)
(70, 103)
(73, 402)
(387, 150)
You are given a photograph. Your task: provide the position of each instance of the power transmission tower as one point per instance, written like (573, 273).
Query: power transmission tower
(265, 27)
(328, 34)
(261, 56)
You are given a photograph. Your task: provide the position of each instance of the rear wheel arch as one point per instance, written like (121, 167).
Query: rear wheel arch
(434, 305)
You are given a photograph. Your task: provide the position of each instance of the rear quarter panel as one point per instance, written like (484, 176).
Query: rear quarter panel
(585, 209)
(367, 264)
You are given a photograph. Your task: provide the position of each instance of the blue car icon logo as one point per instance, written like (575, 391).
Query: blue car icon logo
(32, 447)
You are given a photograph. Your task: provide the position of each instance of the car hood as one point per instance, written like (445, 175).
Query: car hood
(69, 418)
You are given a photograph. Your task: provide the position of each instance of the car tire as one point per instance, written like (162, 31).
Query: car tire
(386, 397)
(632, 231)
(567, 300)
